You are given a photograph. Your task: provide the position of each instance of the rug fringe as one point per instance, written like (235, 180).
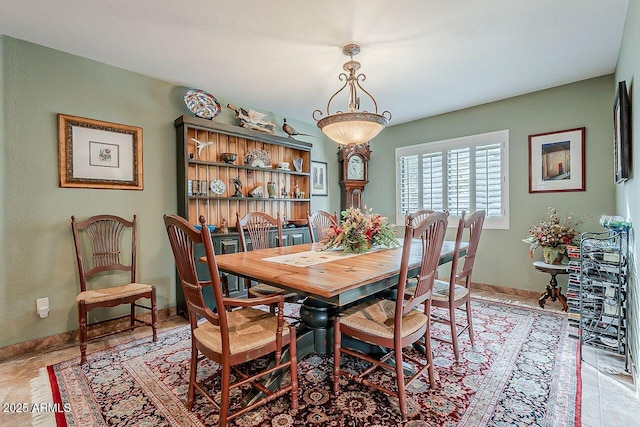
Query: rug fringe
(41, 393)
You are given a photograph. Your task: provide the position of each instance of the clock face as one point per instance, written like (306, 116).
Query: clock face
(355, 168)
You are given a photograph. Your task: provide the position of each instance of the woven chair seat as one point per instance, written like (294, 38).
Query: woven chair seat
(249, 328)
(441, 291)
(112, 293)
(377, 318)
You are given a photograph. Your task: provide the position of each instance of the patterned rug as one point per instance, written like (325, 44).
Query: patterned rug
(523, 371)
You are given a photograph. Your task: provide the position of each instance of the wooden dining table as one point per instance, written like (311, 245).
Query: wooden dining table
(330, 279)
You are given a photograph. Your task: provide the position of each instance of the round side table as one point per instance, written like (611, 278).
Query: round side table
(552, 291)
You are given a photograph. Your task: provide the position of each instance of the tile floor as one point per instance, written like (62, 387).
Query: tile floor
(609, 397)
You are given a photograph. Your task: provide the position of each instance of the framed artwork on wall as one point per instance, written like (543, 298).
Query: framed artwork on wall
(557, 161)
(97, 154)
(319, 179)
(622, 135)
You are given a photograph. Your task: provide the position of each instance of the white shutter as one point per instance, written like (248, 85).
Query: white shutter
(458, 181)
(489, 179)
(409, 178)
(432, 177)
(460, 174)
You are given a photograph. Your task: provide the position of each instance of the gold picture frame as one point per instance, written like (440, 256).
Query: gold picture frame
(97, 154)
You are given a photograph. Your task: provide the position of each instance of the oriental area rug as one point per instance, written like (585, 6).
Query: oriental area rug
(522, 371)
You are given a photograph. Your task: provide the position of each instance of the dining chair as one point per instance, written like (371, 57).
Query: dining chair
(258, 226)
(319, 221)
(398, 323)
(456, 292)
(99, 242)
(234, 334)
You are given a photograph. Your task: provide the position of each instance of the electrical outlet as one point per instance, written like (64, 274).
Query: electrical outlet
(42, 307)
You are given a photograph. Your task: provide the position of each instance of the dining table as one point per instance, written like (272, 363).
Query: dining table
(330, 279)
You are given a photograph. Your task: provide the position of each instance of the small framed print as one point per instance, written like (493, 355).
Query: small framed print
(557, 161)
(97, 154)
(319, 179)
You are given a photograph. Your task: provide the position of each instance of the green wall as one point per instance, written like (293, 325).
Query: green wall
(37, 83)
(628, 202)
(503, 258)
(37, 256)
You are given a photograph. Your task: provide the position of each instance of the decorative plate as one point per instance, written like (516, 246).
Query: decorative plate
(202, 103)
(257, 158)
(217, 186)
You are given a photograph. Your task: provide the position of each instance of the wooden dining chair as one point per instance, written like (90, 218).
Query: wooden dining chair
(456, 292)
(100, 242)
(318, 221)
(234, 334)
(396, 324)
(258, 227)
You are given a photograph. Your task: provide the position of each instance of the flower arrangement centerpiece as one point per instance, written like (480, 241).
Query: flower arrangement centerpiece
(359, 231)
(553, 234)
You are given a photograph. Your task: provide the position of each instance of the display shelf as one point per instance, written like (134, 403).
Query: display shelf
(200, 147)
(602, 294)
(201, 144)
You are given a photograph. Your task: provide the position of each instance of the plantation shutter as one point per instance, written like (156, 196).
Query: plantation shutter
(489, 179)
(462, 174)
(458, 181)
(432, 180)
(409, 178)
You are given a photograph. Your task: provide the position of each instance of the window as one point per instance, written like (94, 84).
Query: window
(461, 174)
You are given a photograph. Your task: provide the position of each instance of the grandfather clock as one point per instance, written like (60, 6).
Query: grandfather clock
(353, 174)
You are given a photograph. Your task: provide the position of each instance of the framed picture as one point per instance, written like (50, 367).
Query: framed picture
(97, 154)
(622, 134)
(319, 179)
(557, 162)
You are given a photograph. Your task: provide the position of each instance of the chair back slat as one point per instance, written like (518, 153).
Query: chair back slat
(319, 221)
(429, 231)
(102, 239)
(258, 226)
(183, 237)
(472, 226)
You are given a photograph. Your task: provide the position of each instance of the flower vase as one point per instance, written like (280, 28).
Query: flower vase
(553, 255)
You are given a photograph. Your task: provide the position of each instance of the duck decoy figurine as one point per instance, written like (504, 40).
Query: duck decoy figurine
(289, 130)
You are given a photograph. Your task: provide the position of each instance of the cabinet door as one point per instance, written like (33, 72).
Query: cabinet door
(228, 245)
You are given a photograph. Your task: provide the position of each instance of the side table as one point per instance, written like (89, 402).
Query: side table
(552, 291)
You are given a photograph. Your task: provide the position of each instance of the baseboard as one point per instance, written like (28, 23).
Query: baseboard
(69, 338)
(534, 295)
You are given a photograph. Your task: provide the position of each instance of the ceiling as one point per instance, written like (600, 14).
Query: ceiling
(421, 58)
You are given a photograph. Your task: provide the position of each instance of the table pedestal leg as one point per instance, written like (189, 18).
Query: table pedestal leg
(554, 293)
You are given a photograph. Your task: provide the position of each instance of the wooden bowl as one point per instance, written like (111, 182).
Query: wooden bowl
(228, 157)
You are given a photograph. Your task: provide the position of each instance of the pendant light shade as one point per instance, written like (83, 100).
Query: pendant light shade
(353, 127)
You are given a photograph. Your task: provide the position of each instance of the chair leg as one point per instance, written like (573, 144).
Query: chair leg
(191, 394)
(429, 354)
(82, 331)
(293, 354)
(454, 331)
(336, 354)
(154, 314)
(224, 394)
(402, 394)
(470, 321)
(132, 315)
